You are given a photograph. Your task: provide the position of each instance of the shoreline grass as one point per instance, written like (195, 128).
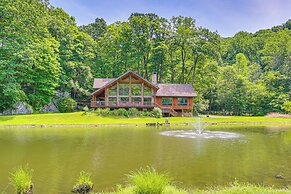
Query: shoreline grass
(78, 118)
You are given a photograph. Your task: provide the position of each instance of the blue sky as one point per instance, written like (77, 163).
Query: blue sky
(226, 16)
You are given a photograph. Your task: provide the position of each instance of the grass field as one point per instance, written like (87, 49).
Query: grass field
(77, 118)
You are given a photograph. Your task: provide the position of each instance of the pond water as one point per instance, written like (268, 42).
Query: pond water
(57, 155)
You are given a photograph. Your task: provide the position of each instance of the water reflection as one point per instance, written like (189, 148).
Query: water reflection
(58, 155)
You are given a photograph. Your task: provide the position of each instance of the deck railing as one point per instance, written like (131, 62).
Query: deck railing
(102, 104)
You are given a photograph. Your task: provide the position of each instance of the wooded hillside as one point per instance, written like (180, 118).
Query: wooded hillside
(42, 50)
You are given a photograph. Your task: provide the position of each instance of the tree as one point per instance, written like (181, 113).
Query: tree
(183, 28)
(96, 29)
(287, 106)
(29, 65)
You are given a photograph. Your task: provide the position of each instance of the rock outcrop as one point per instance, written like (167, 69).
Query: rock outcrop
(19, 108)
(51, 107)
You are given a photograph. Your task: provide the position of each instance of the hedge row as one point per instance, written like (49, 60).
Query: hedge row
(130, 113)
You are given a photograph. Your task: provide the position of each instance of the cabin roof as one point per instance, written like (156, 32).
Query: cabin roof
(100, 82)
(112, 81)
(176, 90)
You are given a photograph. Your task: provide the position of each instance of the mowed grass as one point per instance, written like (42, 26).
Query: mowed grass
(77, 118)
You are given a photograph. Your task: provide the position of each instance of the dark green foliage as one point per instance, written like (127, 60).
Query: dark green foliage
(42, 51)
(146, 114)
(103, 112)
(133, 112)
(120, 112)
(29, 55)
(96, 29)
(66, 104)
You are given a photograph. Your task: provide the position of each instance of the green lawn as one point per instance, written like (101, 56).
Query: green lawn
(78, 118)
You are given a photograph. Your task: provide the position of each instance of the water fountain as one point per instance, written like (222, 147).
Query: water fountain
(199, 132)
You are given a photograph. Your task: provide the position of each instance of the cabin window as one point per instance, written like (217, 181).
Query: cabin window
(112, 100)
(136, 100)
(167, 101)
(147, 101)
(147, 91)
(183, 101)
(112, 91)
(136, 89)
(123, 99)
(123, 89)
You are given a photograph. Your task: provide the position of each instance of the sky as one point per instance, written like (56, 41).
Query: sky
(225, 16)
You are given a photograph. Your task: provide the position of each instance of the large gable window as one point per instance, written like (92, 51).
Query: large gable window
(123, 89)
(136, 89)
(147, 91)
(112, 91)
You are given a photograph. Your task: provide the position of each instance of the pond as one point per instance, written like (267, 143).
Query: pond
(57, 155)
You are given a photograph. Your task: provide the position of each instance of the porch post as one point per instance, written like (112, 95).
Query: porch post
(142, 95)
(117, 93)
(130, 100)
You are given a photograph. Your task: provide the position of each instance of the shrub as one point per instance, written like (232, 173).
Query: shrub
(21, 179)
(84, 184)
(133, 112)
(98, 112)
(147, 114)
(66, 104)
(287, 106)
(157, 112)
(148, 181)
(122, 112)
(105, 112)
(86, 110)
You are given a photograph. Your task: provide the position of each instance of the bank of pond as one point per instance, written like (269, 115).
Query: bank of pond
(143, 181)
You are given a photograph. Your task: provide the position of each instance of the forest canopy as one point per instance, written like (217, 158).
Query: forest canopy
(43, 51)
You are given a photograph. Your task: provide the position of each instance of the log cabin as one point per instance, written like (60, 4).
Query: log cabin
(130, 90)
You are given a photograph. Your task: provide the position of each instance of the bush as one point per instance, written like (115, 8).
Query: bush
(84, 184)
(133, 112)
(21, 179)
(148, 181)
(105, 112)
(120, 112)
(66, 104)
(157, 113)
(98, 112)
(147, 114)
(287, 106)
(86, 110)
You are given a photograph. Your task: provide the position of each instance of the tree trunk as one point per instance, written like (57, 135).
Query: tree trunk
(194, 68)
(161, 71)
(183, 53)
(172, 66)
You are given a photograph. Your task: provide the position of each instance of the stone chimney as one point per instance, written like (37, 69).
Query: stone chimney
(154, 78)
